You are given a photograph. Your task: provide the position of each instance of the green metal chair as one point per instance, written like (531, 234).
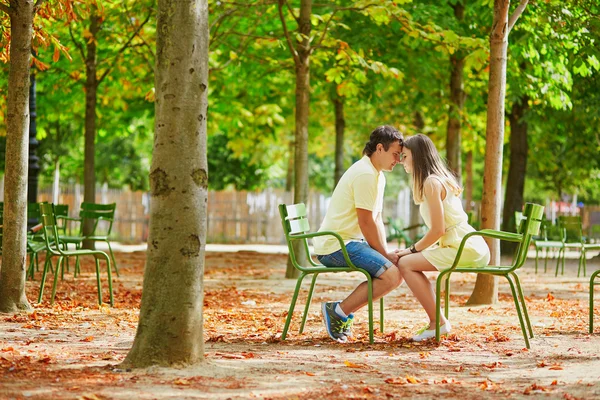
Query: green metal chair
(572, 237)
(530, 225)
(590, 244)
(550, 238)
(62, 213)
(592, 284)
(54, 248)
(402, 234)
(102, 216)
(295, 227)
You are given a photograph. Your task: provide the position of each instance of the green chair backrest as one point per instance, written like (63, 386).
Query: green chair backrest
(102, 214)
(33, 211)
(50, 228)
(518, 220)
(571, 228)
(530, 226)
(61, 210)
(294, 221)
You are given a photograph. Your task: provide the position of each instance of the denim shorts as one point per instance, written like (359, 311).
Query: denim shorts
(362, 256)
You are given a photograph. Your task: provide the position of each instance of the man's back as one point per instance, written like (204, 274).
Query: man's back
(361, 186)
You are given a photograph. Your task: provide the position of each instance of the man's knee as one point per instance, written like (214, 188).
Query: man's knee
(392, 276)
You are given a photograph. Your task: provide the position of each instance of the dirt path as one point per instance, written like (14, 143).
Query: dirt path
(72, 350)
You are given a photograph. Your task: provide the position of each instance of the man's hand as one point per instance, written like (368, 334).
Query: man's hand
(393, 256)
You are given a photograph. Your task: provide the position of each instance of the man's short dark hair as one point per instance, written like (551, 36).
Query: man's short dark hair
(386, 135)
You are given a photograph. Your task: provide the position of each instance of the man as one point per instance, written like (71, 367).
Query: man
(355, 213)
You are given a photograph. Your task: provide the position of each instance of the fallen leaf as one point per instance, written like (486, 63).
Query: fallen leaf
(350, 364)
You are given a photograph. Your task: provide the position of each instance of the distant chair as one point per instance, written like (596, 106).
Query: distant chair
(572, 238)
(54, 248)
(592, 284)
(102, 217)
(550, 238)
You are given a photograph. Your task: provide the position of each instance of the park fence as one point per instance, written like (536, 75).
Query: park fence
(233, 216)
(239, 216)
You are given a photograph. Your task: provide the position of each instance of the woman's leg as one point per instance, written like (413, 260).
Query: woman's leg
(411, 268)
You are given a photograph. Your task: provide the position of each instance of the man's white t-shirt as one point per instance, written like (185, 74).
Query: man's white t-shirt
(361, 186)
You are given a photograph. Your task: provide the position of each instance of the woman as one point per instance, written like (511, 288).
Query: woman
(436, 190)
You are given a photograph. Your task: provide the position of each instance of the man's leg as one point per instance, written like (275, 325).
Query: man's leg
(382, 285)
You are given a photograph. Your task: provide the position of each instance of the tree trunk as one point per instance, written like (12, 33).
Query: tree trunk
(302, 111)
(91, 90)
(469, 181)
(340, 125)
(56, 182)
(457, 100)
(14, 250)
(486, 286)
(515, 183)
(289, 179)
(170, 327)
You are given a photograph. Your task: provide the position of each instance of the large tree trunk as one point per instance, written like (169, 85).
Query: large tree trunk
(457, 100)
(14, 250)
(91, 91)
(469, 181)
(302, 111)
(289, 178)
(486, 286)
(515, 183)
(56, 182)
(340, 125)
(170, 327)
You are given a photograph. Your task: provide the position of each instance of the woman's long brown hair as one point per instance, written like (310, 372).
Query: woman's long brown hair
(427, 161)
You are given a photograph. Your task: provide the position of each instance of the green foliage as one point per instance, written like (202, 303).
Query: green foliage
(227, 170)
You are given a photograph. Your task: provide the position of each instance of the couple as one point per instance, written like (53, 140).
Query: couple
(355, 212)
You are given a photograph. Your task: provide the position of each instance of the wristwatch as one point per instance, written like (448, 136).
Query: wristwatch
(413, 249)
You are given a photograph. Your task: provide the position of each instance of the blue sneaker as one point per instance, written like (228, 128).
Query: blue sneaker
(334, 324)
(348, 326)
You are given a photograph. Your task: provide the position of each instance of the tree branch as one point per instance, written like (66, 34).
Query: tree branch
(292, 11)
(77, 44)
(325, 29)
(6, 9)
(122, 49)
(37, 5)
(287, 34)
(516, 14)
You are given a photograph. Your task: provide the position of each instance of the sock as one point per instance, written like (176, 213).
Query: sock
(340, 312)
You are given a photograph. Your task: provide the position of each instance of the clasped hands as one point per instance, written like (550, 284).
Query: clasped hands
(397, 254)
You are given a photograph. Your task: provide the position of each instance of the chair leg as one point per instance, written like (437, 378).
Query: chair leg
(98, 279)
(59, 267)
(447, 297)
(438, 287)
(112, 256)
(381, 308)
(558, 261)
(292, 305)
(592, 278)
(47, 263)
(522, 299)
(370, 306)
(308, 300)
(110, 288)
(518, 308)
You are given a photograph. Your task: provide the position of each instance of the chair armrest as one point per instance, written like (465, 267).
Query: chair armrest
(327, 233)
(507, 236)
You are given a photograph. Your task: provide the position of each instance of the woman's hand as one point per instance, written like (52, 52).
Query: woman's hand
(403, 252)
